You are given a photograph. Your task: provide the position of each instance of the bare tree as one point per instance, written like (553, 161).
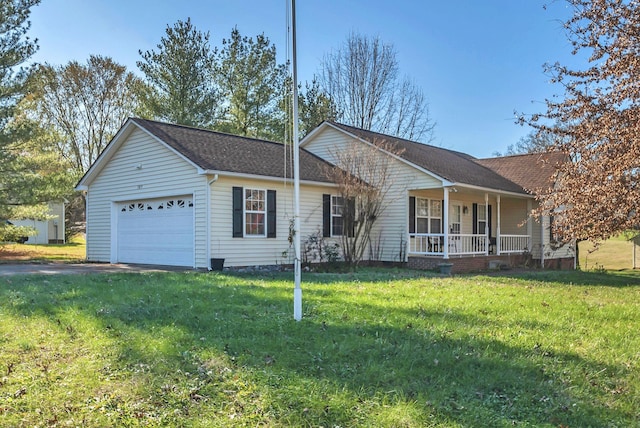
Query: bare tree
(534, 142)
(362, 79)
(365, 178)
(86, 105)
(597, 194)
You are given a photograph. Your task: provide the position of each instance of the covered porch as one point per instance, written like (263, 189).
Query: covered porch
(459, 222)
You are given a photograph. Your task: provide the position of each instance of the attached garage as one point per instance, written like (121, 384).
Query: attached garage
(164, 194)
(156, 231)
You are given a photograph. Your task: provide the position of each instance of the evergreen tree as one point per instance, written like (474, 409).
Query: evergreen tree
(314, 106)
(252, 83)
(179, 81)
(15, 49)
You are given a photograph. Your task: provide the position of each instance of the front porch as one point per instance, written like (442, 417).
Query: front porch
(473, 230)
(446, 245)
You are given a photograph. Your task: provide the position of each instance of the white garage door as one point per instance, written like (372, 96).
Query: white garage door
(157, 231)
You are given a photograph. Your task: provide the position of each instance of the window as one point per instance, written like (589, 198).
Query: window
(337, 222)
(455, 219)
(335, 210)
(428, 215)
(482, 219)
(254, 212)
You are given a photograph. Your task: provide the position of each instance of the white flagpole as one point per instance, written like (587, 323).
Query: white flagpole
(297, 290)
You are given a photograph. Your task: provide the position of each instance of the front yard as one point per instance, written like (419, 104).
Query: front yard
(73, 251)
(377, 348)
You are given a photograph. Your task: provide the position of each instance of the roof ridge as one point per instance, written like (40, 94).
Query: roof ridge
(522, 155)
(404, 140)
(211, 131)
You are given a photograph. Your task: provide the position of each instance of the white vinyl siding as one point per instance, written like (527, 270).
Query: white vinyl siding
(249, 251)
(142, 168)
(391, 229)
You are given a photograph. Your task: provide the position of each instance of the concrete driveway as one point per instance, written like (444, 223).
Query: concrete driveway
(80, 268)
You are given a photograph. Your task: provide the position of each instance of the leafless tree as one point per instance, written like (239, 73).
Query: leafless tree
(362, 78)
(86, 105)
(365, 179)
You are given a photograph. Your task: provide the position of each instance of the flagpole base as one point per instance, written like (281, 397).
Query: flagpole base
(297, 304)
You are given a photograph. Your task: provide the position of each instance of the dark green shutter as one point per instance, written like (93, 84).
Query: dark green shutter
(271, 214)
(412, 214)
(237, 212)
(326, 216)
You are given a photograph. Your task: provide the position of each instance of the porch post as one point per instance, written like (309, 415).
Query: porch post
(487, 226)
(529, 226)
(542, 235)
(445, 222)
(498, 226)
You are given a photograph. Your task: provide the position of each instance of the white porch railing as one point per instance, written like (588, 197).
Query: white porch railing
(514, 243)
(433, 244)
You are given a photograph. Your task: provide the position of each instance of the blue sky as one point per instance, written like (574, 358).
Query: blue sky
(476, 60)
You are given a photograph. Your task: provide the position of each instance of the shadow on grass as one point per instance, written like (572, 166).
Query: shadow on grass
(446, 376)
(624, 278)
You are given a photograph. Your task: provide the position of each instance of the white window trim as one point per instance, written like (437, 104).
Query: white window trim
(429, 217)
(452, 217)
(482, 212)
(332, 215)
(245, 212)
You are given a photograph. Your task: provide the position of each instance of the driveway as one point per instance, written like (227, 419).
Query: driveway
(81, 268)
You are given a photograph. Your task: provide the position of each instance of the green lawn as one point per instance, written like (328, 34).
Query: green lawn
(73, 251)
(377, 348)
(613, 254)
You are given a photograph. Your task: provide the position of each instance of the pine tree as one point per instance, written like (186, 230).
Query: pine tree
(179, 78)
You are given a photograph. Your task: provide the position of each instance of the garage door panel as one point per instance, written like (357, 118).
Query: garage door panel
(156, 231)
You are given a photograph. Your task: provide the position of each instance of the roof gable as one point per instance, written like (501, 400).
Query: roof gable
(210, 151)
(532, 171)
(452, 166)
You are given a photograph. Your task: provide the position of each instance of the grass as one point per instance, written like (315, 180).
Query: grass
(73, 251)
(376, 348)
(613, 254)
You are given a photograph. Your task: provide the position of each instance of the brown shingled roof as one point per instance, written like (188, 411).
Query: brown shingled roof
(532, 171)
(216, 151)
(450, 165)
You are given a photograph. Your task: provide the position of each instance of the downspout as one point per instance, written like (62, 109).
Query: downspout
(209, 183)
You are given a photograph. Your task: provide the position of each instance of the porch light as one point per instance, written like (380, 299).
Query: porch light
(465, 209)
